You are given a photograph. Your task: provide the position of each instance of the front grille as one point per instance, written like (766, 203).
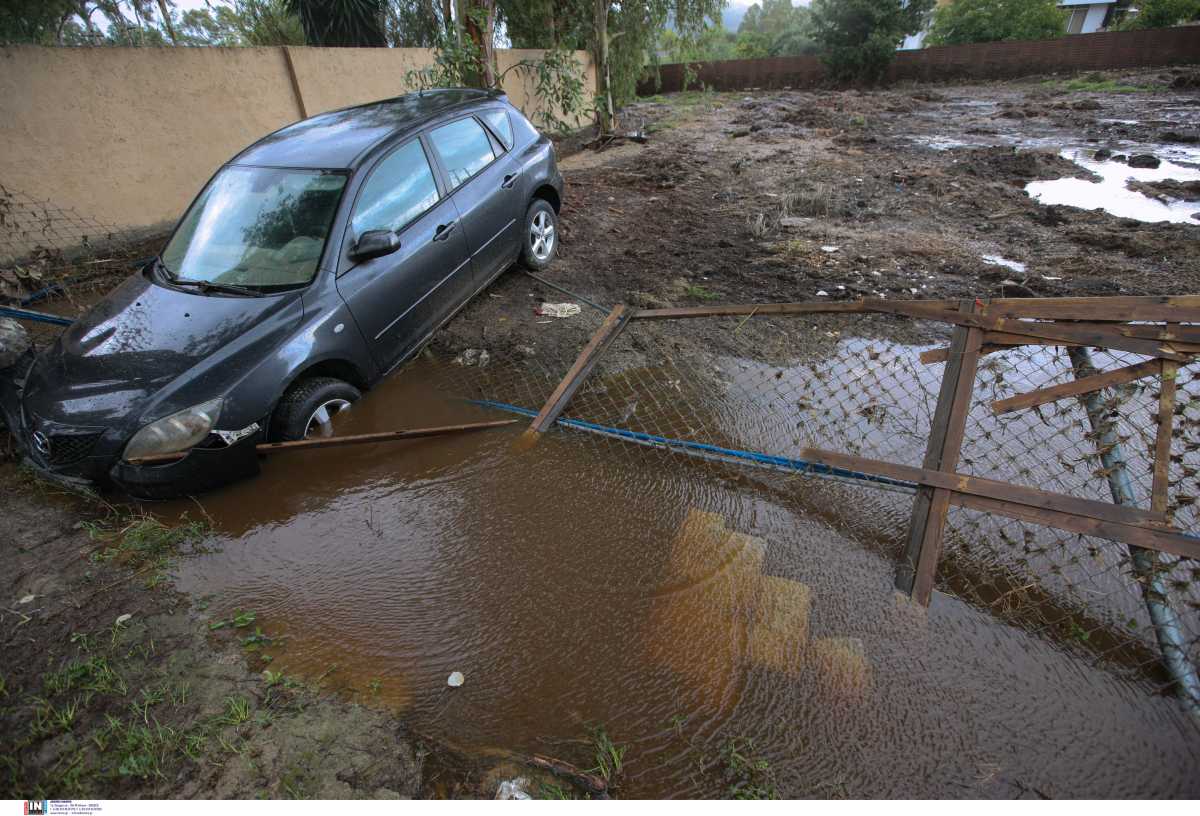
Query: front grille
(67, 449)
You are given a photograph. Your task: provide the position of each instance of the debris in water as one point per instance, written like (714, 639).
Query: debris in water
(455, 679)
(996, 260)
(473, 357)
(514, 789)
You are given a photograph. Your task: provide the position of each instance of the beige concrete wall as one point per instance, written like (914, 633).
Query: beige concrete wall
(127, 136)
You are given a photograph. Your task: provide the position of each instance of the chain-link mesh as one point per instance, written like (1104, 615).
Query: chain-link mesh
(47, 250)
(745, 396)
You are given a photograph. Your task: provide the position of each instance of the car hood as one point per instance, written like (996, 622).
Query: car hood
(115, 361)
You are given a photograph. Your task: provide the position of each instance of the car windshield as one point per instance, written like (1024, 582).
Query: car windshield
(256, 227)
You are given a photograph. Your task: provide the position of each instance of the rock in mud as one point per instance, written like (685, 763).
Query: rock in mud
(1180, 137)
(1145, 161)
(1103, 154)
(1085, 105)
(14, 341)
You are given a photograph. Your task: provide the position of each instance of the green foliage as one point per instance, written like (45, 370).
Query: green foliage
(341, 23)
(859, 37)
(972, 21)
(1161, 14)
(143, 542)
(556, 79)
(780, 28)
(746, 776)
(713, 42)
(609, 756)
(244, 22)
(33, 21)
(413, 23)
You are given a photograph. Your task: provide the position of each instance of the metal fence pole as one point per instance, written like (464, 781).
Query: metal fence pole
(1167, 627)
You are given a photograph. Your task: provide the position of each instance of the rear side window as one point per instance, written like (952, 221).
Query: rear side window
(400, 188)
(464, 148)
(500, 124)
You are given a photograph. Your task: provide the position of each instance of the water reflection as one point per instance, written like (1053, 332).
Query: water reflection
(1112, 192)
(589, 583)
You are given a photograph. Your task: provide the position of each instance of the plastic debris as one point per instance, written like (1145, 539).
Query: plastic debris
(473, 357)
(513, 789)
(822, 293)
(27, 599)
(830, 248)
(558, 309)
(123, 618)
(455, 679)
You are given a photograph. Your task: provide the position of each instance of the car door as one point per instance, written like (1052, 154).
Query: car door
(396, 299)
(483, 183)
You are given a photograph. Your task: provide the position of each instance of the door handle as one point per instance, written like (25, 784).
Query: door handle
(443, 231)
(509, 181)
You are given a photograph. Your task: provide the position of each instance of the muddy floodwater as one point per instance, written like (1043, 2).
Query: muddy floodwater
(574, 586)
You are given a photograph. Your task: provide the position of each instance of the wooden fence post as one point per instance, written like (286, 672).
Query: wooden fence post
(918, 565)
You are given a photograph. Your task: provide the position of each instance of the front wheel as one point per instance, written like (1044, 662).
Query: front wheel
(541, 235)
(307, 409)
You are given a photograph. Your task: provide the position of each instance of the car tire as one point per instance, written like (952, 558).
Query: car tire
(538, 218)
(299, 413)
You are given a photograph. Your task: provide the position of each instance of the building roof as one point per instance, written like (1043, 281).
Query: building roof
(336, 139)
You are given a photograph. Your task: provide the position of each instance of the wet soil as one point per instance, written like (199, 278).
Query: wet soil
(586, 585)
(737, 195)
(114, 685)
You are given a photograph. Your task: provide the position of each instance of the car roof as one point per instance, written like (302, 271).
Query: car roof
(336, 139)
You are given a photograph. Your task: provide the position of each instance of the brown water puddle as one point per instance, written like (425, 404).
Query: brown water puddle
(578, 583)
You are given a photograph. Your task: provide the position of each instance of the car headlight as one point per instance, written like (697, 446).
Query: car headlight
(176, 432)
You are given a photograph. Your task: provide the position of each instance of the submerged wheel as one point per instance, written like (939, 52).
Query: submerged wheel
(309, 406)
(540, 236)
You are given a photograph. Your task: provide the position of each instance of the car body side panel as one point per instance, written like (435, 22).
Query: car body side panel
(492, 211)
(397, 298)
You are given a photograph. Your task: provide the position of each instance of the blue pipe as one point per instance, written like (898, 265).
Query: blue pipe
(37, 317)
(800, 466)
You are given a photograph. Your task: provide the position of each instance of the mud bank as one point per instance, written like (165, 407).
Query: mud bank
(116, 686)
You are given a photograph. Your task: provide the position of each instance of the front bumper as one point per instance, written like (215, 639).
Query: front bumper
(84, 457)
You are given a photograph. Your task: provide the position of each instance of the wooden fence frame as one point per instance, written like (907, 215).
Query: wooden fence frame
(1149, 326)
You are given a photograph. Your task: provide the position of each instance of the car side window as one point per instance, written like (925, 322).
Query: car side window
(464, 148)
(500, 124)
(399, 189)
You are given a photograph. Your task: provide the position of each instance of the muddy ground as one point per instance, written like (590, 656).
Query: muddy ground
(736, 195)
(736, 198)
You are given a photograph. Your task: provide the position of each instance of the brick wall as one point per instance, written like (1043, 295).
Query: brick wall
(1081, 52)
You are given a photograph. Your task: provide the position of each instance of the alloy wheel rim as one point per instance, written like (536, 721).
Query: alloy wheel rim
(541, 235)
(320, 424)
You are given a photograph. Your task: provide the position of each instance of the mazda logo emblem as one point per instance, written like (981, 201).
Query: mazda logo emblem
(42, 443)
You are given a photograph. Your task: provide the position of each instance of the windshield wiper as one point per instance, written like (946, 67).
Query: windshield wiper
(210, 286)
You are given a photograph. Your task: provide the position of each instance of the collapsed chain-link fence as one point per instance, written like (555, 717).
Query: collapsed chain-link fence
(743, 397)
(58, 260)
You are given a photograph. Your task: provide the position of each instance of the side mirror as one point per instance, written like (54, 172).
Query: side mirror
(374, 244)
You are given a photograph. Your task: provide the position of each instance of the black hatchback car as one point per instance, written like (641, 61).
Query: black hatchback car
(311, 265)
